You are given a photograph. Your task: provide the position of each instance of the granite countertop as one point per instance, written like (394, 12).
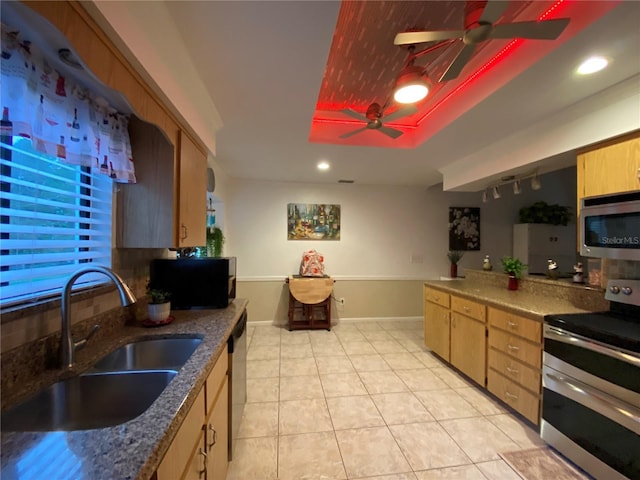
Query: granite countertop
(132, 450)
(531, 304)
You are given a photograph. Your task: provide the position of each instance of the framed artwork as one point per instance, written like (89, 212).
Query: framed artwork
(311, 221)
(464, 228)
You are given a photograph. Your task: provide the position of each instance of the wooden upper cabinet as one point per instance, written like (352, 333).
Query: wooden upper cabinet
(167, 206)
(145, 210)
(612, 168)
(192, 195)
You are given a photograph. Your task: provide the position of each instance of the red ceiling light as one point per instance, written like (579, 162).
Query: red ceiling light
(412, 85)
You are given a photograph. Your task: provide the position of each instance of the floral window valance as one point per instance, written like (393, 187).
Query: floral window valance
(60, 118)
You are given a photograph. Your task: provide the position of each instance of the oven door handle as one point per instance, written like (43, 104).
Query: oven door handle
(570, 338)
(617, 410)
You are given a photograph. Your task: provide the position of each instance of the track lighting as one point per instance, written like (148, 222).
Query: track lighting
(516, 188)
(535, 182)
(516, 184)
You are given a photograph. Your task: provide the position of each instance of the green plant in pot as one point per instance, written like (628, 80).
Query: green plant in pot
(215, 242)
(159, 307)
(454, 257)
(514, 268)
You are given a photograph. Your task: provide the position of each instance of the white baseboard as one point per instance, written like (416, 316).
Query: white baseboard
(344, 320)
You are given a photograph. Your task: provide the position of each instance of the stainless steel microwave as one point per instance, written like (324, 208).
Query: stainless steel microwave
(610, 226)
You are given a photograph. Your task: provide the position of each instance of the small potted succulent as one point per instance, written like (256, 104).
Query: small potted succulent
(514, 268)
(454, 257)
(159, 307)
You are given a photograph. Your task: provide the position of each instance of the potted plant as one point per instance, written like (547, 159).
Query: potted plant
(454, 257)
(215, 241)
(514, 268)
(159, 307)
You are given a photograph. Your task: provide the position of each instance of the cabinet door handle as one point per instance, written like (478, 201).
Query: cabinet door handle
(513, 347)
(466, 309)
(202, 472)
(215, 435)
(511, 325)
(185, 232)
(437, 299)
(510, 395)
(513, 371)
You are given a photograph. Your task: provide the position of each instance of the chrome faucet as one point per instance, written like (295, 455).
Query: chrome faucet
(68, 346)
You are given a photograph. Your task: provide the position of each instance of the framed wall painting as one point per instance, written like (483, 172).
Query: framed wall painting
(464, 228)
(312, 221)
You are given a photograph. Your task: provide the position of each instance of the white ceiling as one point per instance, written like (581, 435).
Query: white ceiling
(262, 63)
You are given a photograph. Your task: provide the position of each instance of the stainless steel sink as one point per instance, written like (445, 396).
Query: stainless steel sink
(95, 400)
(151, 354)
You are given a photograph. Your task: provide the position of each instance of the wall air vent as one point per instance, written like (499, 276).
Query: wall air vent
(346, 181)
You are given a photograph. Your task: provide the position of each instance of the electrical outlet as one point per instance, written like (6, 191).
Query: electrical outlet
(341, 300)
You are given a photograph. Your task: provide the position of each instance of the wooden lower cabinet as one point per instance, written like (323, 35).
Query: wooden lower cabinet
(468, 347)
(199, 450)
(511, 393)
(217, 420)
(185, 458)
(496, 348)
(436, 323)
(515, 362)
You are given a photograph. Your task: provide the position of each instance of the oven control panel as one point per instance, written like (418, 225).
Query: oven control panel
(623, 291)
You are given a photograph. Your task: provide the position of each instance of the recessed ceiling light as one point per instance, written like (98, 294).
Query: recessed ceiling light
(323, 166)
(592, 65)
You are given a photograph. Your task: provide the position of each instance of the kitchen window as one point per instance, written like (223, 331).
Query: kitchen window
(54, 217)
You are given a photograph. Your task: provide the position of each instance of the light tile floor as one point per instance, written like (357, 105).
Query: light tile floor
(367, 401)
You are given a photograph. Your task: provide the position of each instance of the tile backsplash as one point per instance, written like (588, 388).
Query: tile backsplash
(21, 326)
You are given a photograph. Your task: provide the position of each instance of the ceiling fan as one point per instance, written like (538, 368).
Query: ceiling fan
(373, 117)
(478, 27)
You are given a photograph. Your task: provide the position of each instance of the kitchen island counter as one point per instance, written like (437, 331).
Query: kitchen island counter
(134, 449)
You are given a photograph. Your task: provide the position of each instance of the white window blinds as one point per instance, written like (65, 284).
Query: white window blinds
(54, 218)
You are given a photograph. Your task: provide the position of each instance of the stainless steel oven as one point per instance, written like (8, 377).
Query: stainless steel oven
(610, 226)
(591, 385)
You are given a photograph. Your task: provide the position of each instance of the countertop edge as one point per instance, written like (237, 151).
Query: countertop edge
(526, 304)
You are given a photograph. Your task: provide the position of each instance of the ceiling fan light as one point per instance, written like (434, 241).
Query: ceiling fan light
(411, 86)
(410, 93)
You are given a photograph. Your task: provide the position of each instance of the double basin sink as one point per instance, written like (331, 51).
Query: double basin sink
(118, 388)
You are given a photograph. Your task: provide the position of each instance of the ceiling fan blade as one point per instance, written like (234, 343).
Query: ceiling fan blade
(458, 64)
(354, 114)
(493, 10)
(546, 30)
(390, 132)
(401, 112)
(410, 38)
(350, 134)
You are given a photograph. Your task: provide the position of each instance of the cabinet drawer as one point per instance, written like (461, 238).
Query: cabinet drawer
(436, 296)
(515, 346)
(524, 327)
(469, 308)
(515, 396)
(518, 372)
(216, 378)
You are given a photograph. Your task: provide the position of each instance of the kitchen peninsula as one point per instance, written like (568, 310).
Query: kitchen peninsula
(135, 449)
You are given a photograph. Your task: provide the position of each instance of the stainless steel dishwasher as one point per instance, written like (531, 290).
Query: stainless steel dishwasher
(237, 348)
